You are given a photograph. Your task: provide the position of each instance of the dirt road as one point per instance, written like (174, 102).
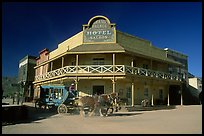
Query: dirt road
(181, 120)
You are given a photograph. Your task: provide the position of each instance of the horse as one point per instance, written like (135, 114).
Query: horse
(87, 105)
(109, 102)
(90, 105)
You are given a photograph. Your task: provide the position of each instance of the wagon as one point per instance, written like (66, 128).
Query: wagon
(52, 96)
(56, 96)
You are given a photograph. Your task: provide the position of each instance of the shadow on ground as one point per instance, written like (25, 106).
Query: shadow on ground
(12, 115)
(124, 114)
(27, 114)
(149, 108)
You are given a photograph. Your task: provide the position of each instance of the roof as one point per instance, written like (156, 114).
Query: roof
(86, 48)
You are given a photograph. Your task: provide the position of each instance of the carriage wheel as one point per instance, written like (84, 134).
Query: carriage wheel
(103, 111)
(38, 104)
(110, 111)
(62, 109)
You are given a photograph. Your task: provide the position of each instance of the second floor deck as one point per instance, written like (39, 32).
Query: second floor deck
(107, 70)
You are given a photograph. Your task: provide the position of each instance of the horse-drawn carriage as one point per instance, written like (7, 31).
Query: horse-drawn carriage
(51, 96)
(103, 105)
(57, 96)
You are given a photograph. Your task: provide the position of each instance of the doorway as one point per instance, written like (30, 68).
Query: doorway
(174, 95)
(98, 89)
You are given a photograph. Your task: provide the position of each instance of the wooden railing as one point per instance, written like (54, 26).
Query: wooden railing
(107, 69)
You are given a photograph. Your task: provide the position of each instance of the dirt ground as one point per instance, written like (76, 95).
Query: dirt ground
(180, 120)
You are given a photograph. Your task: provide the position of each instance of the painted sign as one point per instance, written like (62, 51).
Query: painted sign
(99, 31)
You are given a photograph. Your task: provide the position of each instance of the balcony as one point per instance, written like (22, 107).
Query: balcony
(105, 70)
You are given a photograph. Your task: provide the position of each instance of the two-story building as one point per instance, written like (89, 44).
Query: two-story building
(26, 76)
(101, 59)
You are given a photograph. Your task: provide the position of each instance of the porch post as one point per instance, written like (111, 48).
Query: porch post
(133, 93)
(152, 100)
(76, 84)
(168, 99)
(181, 95)
(51, 66)
(113, 62)
(77, 62)
(113, 83)
(132, 64)
(62, 62)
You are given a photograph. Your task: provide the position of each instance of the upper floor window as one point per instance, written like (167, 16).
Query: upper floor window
(145, 66)
(146, 92)
(160, 93)
(98, 61)
(128, 94)
(24, 71)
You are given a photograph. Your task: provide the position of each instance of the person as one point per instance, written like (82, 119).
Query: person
(72, 91)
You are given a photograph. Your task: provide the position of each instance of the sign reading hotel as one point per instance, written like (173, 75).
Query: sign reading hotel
(100, 30)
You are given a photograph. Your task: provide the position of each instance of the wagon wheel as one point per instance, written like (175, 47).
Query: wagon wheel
(103, 111)
(110, 110)
(38, 104)
(62, 109)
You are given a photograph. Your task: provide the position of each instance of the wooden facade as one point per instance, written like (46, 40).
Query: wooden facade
(101, 59)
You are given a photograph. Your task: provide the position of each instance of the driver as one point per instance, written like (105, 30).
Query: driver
(72, 91)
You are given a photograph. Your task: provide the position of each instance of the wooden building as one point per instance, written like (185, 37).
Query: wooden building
(26, 76)
(101, 59)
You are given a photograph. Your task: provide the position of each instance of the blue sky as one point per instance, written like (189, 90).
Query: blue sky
(27, 28)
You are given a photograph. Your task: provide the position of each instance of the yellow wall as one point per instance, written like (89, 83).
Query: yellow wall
(67, 45)
(88, 59)
(86, 85)
(122, 86)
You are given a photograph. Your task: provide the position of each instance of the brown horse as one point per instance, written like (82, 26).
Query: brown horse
(101, 104)
(109, 102)
(87, 105)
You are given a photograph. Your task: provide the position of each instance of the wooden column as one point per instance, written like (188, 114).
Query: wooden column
(62, 62)
(76, 84)
(181, 94)
(133, 103)
(132, 65)
(51, 66)
(168, 100)
(113, 83)
(113, 80)
(77, 62)
(152, 100)
(113, 62)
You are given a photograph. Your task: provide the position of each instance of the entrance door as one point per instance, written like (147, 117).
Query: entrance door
(98, 89)
(174, 95)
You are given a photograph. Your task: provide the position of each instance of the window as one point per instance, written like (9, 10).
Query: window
(98, 61)
(145, 66)
(160, 94)
(146, 92)
(128, 94)
(24, 71)
(73, 62)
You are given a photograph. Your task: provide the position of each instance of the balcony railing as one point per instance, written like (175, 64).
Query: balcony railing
(107, 69)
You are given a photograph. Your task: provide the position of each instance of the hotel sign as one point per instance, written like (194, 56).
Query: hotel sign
(98, 30)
